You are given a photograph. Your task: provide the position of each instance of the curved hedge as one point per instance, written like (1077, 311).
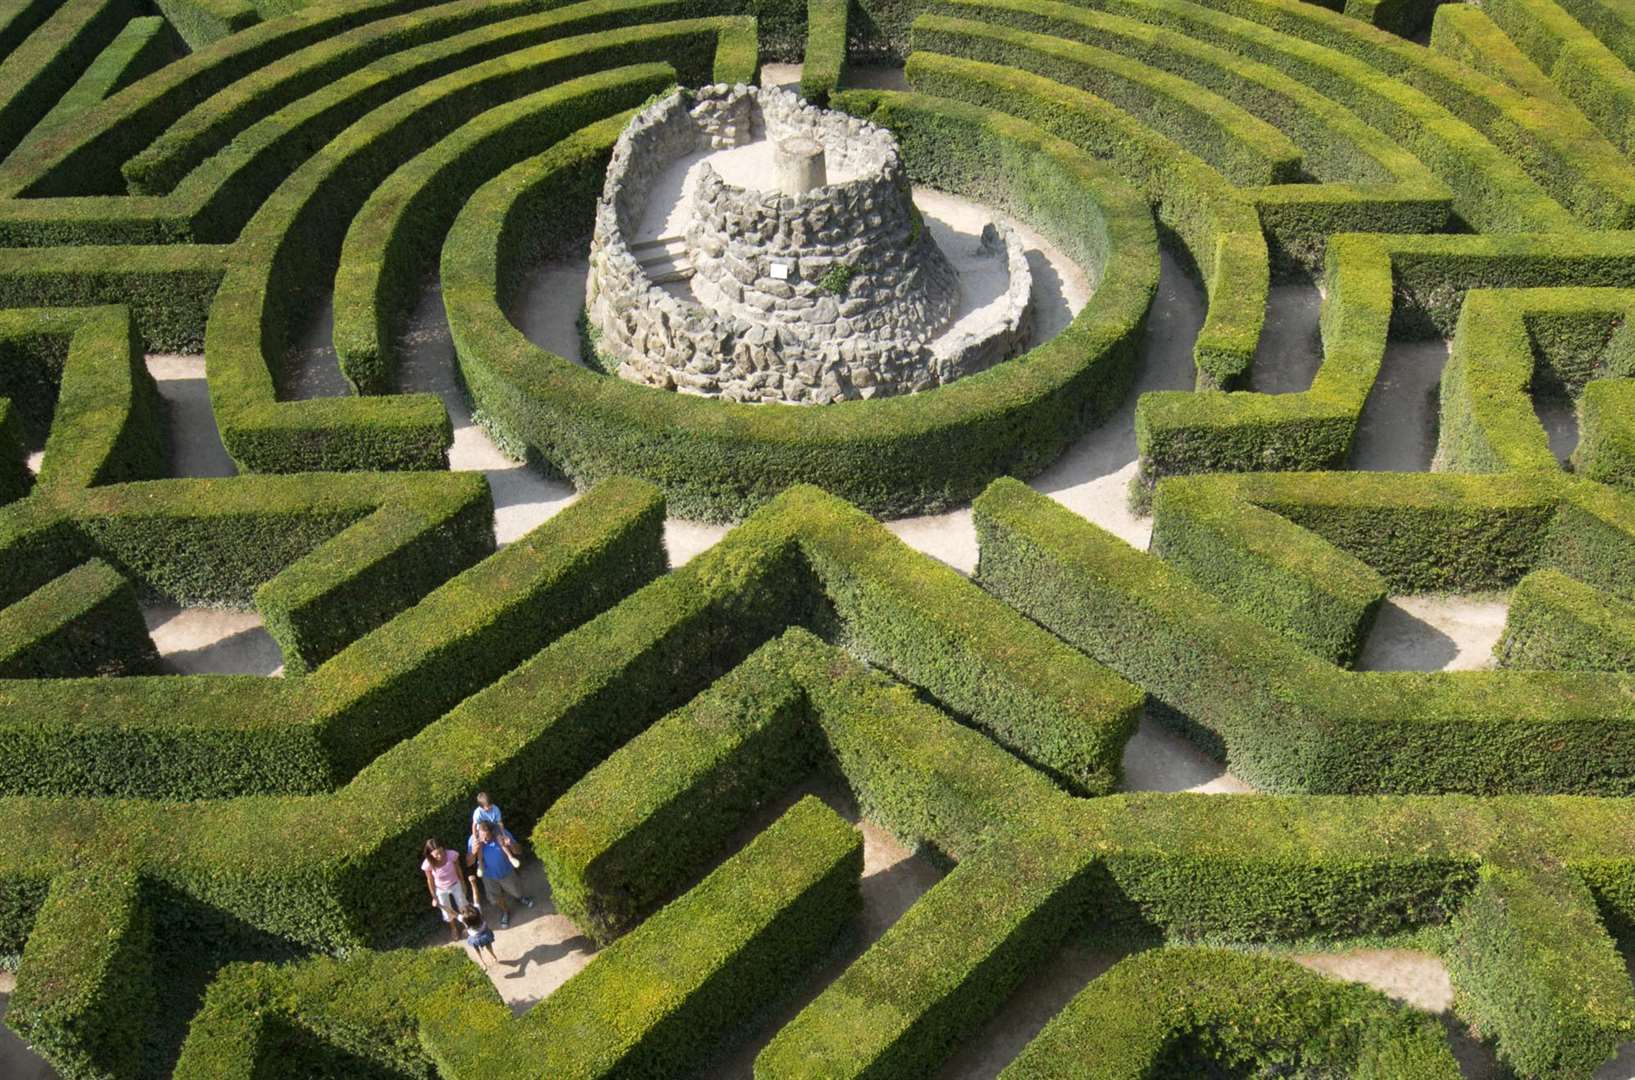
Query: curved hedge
(394, 239)
(718, 459)
(1180, 1012)
(291, 240)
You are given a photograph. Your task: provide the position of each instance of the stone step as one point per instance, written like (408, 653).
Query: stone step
(664, 259)
(667, 242)
(670, 273)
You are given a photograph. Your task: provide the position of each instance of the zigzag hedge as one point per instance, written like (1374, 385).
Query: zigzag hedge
(162, 834)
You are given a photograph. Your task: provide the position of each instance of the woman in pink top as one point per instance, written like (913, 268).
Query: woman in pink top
(441, 866)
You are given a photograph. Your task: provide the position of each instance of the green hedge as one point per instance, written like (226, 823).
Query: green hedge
(1533, 968)
(1377, 286)
(15, 477)
(1606, 436)
(1249, 868)
(1185, 1012)
(1556, 622)
(108, 424)
(325, 1016)
(363, 576)
(168, 288)
(1218, 230)
(1267, 568)
(37, 73)
(718, 459)
(84, 623)
(1519, 147)
(293, 241)
(1586, 72)
(823, 64)
(1487, 389)
(1245, 149)
(146, 44)
(217, 736)
(81, 387)
(1286, 720)
(202, 23)
(1466, 34)
(942, 968)
(659, 1001)
(85, 159)
(639, 825)
(203, 177)
(393, 241)
(87, 1002)
(919, 619)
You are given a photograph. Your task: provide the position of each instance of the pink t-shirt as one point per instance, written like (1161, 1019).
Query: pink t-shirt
(447, 875)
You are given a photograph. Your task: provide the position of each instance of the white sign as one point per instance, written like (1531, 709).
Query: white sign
(780, 271)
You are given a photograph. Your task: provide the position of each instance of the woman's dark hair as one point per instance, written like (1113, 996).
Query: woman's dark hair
(471, 917)
(431, 846)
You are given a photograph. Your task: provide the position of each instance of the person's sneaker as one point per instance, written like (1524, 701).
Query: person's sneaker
(505, 921)
(527, 901)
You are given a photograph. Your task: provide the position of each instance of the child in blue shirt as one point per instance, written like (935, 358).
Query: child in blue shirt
(488, 811)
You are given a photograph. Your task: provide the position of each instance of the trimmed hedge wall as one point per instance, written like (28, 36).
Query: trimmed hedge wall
(1586, 72)
(1376, 285)
(1376, 73)
(38, 71)
(1288, 721)
(1245, 149)
(942, 968)
(1218, 229)
(1606, 434)
(1511, 345)
(823, 64)
(15, 478)
(1267, 568)
(146, 44)
(1534, 969)
(325, 1016)
(640, 825)
(218, 736)
(718, 459)
(361, 577)
(1193, 1012)
(1556, 622)
(82, 388)
(392, 243)
(659, 1001)
(293, 241)
(86, 1001)
(85, 159)
(84, 623)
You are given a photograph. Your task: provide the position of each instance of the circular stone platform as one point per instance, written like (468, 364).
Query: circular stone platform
(751, 247)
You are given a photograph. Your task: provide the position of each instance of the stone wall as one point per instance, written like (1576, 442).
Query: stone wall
(775, 320)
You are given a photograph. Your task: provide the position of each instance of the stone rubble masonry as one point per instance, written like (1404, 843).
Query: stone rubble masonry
(771, 323)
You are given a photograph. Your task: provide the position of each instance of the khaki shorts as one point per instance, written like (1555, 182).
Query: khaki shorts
(509, 885)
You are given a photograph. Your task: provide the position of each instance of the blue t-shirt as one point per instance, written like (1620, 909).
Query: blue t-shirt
(496, 864)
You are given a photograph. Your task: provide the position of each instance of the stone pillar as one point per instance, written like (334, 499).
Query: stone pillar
(798, 165)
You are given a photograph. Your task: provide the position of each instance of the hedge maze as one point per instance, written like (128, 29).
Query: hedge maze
(212, 876)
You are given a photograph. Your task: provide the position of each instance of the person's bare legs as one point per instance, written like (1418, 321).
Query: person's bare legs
(452, 917)
(477, 955)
